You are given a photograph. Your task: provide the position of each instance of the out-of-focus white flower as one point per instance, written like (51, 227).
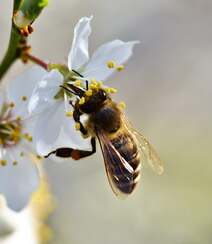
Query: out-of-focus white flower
(18, 174)
(16, 227)
(49, 98)
(27, 226)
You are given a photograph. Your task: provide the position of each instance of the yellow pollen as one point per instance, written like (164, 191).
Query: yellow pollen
(120, 67)
(15, 163)
(21, 154)
(12, 105)
(122, 105)
(111, 90)
(93, 81)
(111, 64)
(3, 162)
(69, 114)
(77, 126)
(77, 82)
(92, 86)
(23, 98)
(100, 84)
(81, 101)
(89, 93)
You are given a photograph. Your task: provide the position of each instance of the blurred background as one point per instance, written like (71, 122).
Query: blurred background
(167, 88)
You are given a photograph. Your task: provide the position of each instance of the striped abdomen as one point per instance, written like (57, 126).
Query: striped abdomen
(125, 179)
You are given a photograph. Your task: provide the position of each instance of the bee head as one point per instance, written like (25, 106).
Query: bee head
(93, 100)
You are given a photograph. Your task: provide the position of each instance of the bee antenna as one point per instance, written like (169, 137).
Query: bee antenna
(68, 90)
(86, 82)
(77, 73)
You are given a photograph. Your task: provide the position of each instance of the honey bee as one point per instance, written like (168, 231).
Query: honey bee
(122, 147)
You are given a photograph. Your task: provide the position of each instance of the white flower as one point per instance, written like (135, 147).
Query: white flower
(18, 174)
(54, 129)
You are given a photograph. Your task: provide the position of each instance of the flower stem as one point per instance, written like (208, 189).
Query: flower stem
(12, 52)
(36, 61)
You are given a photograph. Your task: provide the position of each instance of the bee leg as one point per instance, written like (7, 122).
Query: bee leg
(76, 154)
(76, 117)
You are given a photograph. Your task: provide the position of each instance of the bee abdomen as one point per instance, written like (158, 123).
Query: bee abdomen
(126, 180)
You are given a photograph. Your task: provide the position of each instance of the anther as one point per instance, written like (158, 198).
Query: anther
(111, 64)
(12, 105)
(69, 113)
(77, 126)
(21, 154)
(3, 162)
(38, 157)
(15, 163)
(18, 118)
(77, 82)
(120, 67)
(24, 98)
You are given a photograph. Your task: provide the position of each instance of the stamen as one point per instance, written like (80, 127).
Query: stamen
(77, 126)
(111, 64)
(15, 163)
(23, 98)
(12, 105)
(21, 154)
(120, 67)
(77, 82)
(38, 157)
(3, 162)
(69, 113)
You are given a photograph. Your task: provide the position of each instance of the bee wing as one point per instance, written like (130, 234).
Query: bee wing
(119, 172)
(148, 151)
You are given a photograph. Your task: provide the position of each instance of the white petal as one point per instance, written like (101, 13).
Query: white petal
(17, 183)
(78, 54)
(23, 85)
(55, 130)
(117, 51)
(44, 92)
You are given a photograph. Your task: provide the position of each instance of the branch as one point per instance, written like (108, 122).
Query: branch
(24, 14)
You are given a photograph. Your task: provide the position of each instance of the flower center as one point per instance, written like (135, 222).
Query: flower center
(10, 128)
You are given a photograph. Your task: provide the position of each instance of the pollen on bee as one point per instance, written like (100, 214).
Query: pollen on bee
(100, 84)
(24, 98)
(81, 101)
(3, 162)
(69, 113)
(77, 82)
(122, 105)
(111, 64)
(89, 93)
(111, 90)
(120, 67)
(94, 81)
(77, 126)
